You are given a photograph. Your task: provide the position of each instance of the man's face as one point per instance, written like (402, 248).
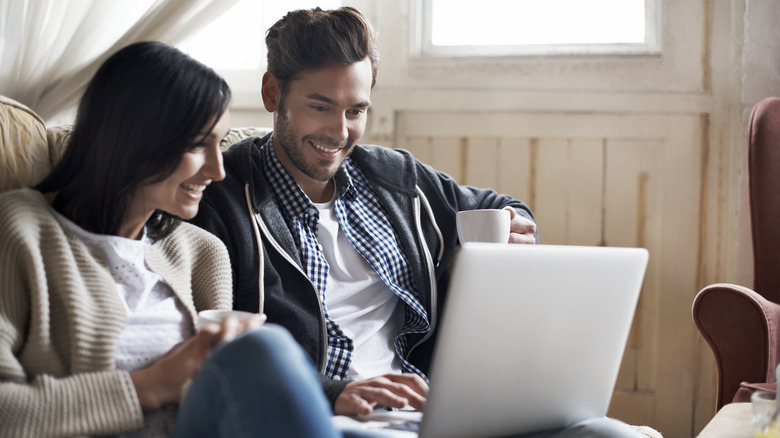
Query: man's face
(320, 118)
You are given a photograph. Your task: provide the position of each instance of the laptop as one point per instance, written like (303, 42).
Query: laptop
(531, 338)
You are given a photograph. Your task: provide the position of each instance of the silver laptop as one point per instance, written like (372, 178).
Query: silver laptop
(531, 339)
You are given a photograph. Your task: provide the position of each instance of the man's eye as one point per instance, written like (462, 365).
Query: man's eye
(319, 108)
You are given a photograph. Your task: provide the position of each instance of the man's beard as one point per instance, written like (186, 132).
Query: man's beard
(294, 148)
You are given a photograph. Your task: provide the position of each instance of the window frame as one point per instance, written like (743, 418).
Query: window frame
(422, 48)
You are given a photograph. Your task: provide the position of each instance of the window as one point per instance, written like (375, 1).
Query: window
(454, 28)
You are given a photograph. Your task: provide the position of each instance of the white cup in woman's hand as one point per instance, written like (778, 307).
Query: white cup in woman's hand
(216, 316)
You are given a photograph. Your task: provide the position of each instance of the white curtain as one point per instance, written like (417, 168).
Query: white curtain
(49, 49)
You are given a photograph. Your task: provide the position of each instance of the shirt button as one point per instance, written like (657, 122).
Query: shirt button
(319, 247)
(336, 377)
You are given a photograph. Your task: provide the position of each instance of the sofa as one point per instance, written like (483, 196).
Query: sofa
(29, 149)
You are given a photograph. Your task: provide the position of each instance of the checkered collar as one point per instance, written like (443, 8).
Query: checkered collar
(291, 198)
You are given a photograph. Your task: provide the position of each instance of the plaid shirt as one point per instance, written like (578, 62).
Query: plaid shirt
(367, 228)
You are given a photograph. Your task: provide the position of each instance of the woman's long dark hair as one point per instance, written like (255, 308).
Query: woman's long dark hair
(143, 109)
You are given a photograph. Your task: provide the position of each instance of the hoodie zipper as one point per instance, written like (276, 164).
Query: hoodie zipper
(431, 275)
(259, 221)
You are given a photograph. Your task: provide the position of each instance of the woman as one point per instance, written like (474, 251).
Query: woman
(100, 280)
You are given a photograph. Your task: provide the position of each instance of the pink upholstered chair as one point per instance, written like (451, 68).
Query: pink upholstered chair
(741, 325)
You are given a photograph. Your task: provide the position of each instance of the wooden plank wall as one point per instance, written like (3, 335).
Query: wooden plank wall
(599, 179)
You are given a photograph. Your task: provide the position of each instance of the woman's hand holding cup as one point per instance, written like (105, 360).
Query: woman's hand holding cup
(161, 384)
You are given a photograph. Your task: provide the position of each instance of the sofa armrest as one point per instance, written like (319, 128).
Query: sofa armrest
(741, 328)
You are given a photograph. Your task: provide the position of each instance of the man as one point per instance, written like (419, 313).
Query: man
(346, 245)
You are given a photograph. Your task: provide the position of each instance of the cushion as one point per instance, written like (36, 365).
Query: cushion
(58, 137)
(29, 150)
(746, 390)
(24, 150)
(237, 134)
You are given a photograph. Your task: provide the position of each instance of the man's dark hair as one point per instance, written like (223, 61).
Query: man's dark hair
(309, 39)
(144, 108)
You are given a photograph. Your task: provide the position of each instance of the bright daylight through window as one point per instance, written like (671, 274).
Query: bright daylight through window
(234, 44)
(517, 27)
(236, 40)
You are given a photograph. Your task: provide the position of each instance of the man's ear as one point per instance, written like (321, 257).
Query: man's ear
(270, 92)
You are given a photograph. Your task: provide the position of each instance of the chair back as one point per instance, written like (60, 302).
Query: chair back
(763, 142)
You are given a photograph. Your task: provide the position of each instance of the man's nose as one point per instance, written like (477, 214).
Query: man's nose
(338, 127)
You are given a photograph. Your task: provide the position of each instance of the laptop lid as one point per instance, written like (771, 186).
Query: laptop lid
(531, 338)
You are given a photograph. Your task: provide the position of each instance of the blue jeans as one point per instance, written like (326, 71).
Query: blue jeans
(259, 384)
(262, 384)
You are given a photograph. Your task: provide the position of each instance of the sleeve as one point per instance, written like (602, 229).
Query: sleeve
(211, 272)
(332, 388)
(210, 220)
(463, 197)
(33, 402)
(102, 403)
(223, 212)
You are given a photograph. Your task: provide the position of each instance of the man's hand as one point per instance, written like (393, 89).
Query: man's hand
(390, 390)
(521, 229)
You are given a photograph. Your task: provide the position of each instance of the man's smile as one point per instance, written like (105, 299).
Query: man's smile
(330, 149)
(326, 149)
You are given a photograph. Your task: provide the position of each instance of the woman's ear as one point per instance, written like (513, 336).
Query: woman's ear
(270, 92)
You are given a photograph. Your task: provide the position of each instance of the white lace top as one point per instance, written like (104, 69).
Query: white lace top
(156, 319)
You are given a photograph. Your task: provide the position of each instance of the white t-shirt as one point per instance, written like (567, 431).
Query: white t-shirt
(359, 302)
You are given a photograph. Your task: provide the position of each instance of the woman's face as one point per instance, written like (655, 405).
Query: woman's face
(180, 193)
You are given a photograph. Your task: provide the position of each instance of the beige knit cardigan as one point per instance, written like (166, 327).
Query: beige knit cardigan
(60, 317)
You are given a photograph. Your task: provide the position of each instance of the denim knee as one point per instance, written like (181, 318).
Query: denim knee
(270, 349)
(269, 341)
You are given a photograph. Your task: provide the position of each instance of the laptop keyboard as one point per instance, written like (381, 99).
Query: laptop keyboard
(406, 426)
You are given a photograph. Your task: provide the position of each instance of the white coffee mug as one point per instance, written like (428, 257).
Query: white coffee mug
(216, 316)
(486, 225)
